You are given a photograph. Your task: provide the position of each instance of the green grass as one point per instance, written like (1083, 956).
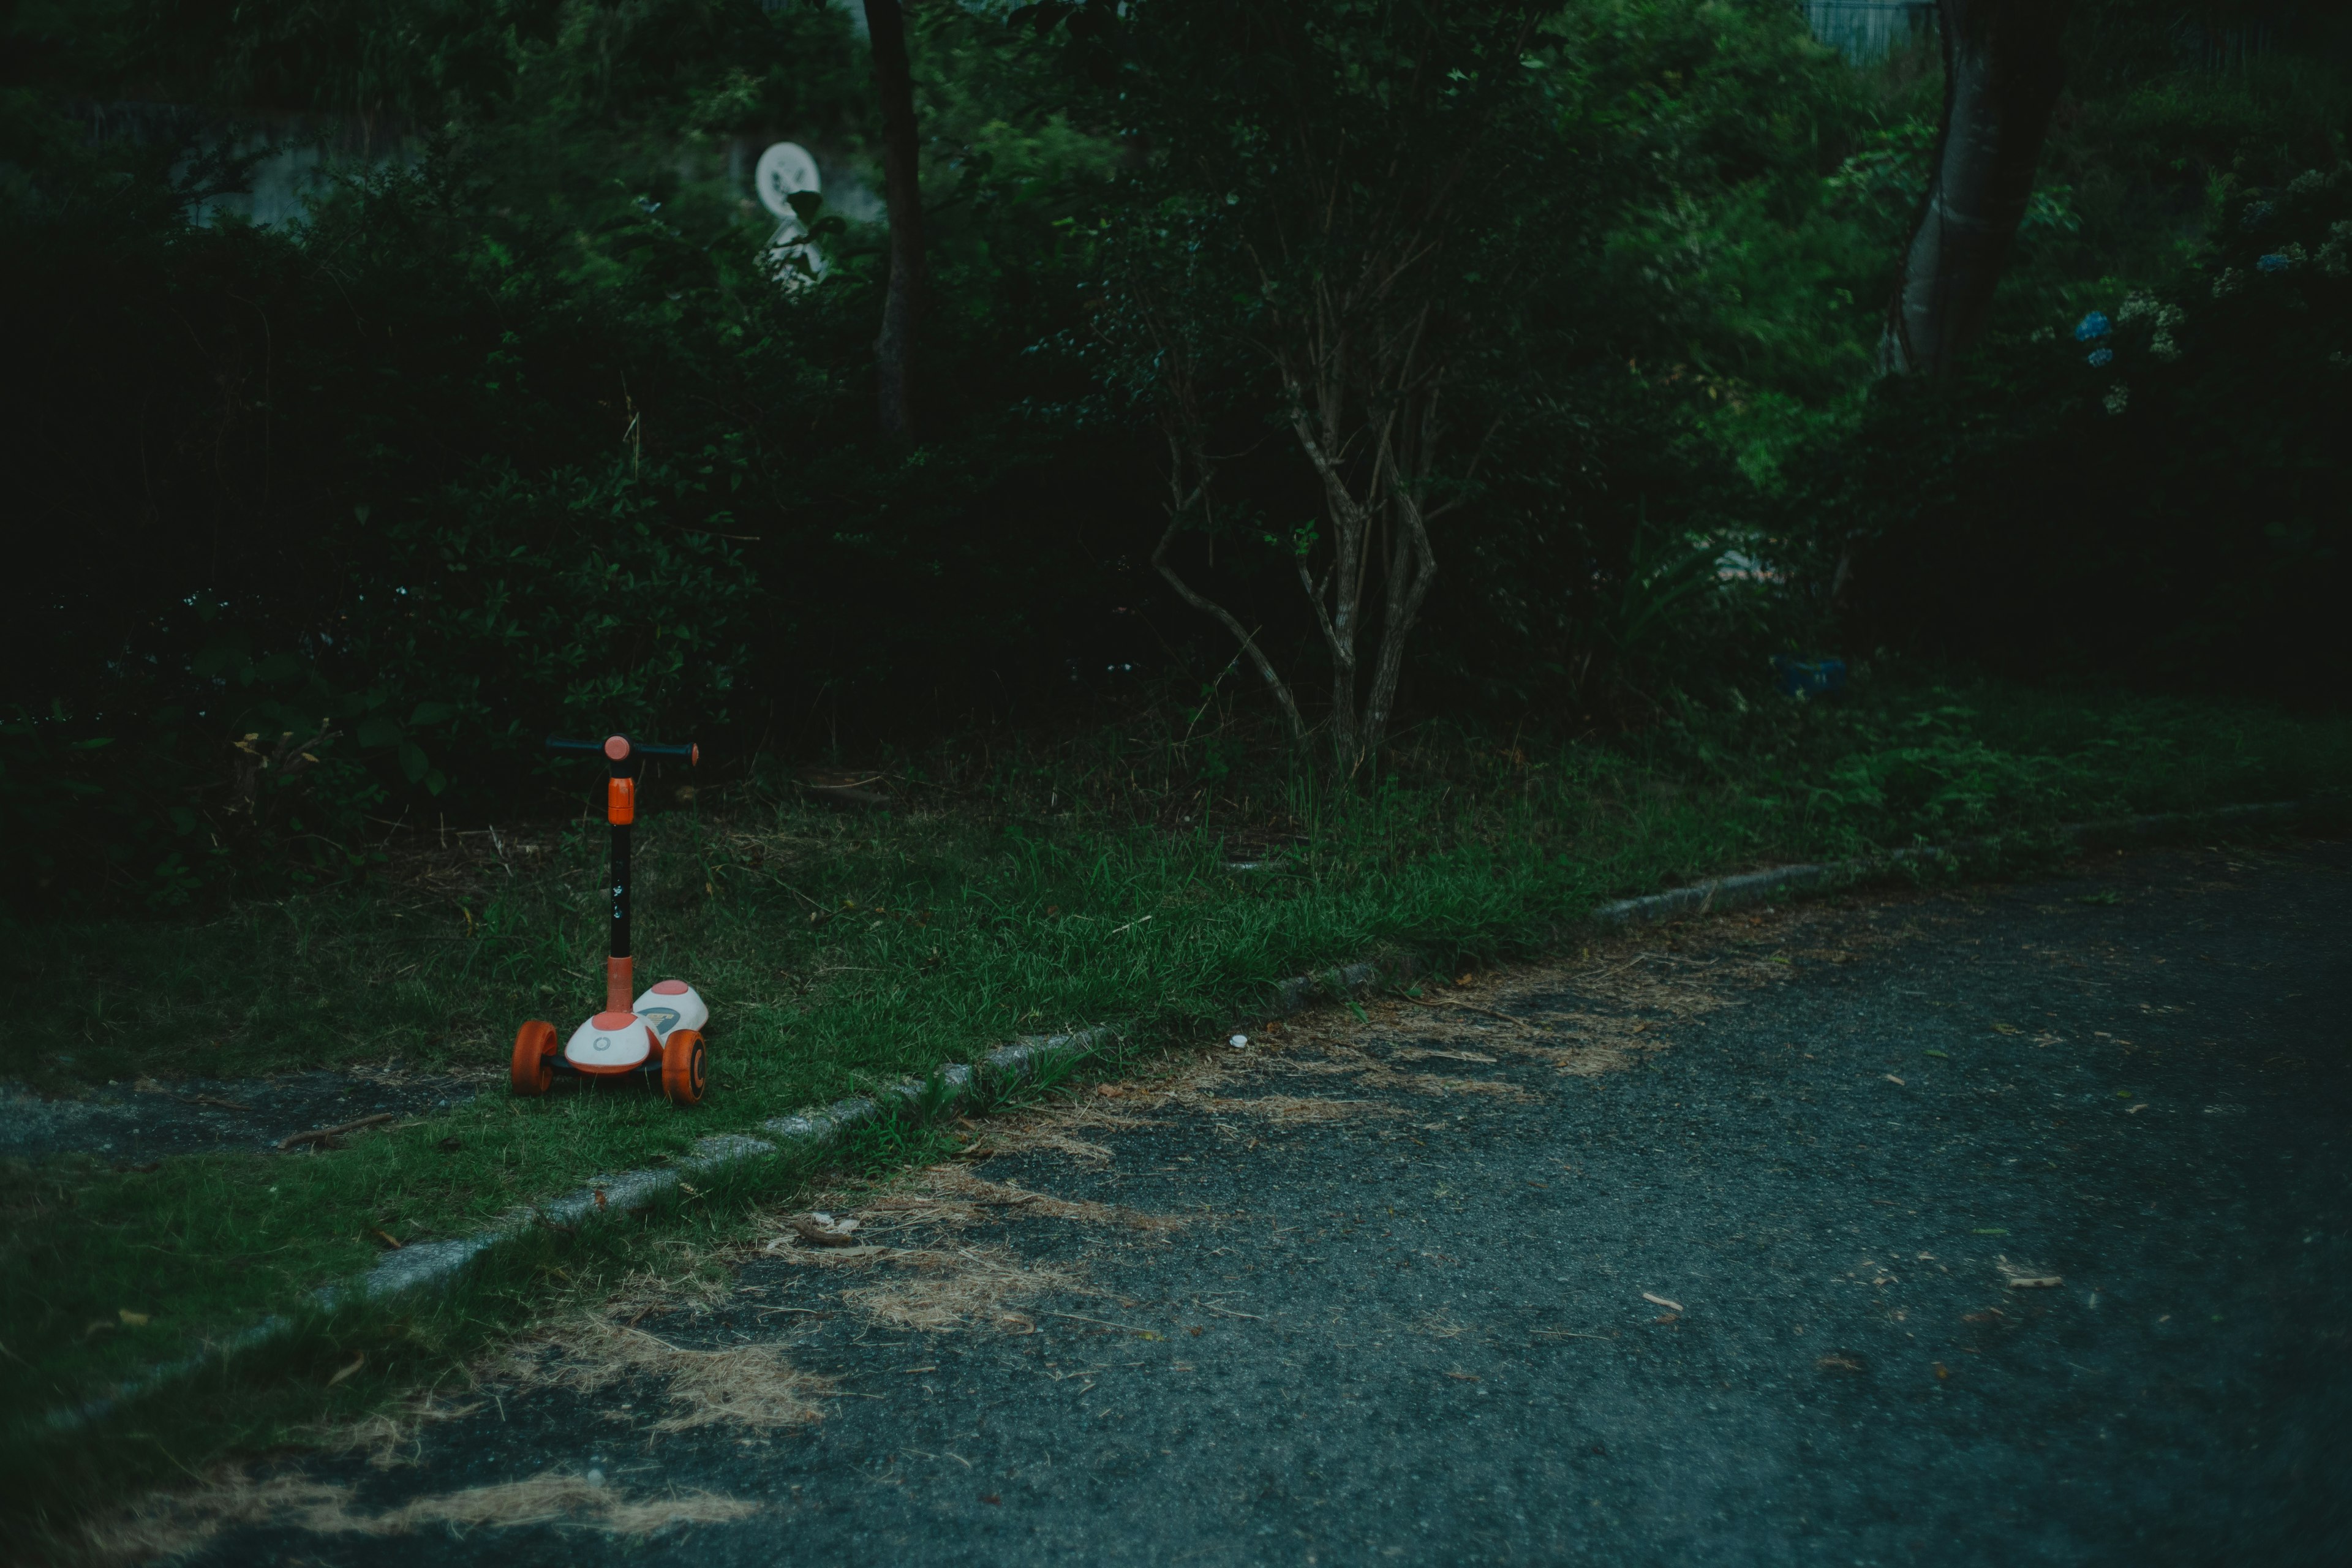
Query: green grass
(1024, 890)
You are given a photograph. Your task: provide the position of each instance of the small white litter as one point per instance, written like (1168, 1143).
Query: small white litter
(1239, 1042)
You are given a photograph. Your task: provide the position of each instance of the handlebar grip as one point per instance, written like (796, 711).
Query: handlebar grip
(630, 746)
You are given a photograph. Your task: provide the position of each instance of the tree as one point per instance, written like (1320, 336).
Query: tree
(894, 349)
(2003, 71)
(1340, 204)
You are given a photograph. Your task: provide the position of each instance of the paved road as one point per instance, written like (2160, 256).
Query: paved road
(1716, 1249)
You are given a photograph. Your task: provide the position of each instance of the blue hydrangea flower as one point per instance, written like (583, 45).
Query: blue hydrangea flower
(2103, 355)
(2273, 262)
(2095, 325)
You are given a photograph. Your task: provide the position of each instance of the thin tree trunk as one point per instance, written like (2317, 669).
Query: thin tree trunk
(894, 84)
(2002, 75)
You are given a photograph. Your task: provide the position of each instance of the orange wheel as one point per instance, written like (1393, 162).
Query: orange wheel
(533, 1070)
(685, 1068)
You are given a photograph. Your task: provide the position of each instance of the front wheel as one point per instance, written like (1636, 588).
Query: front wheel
(533, 1068)
(686, 1068)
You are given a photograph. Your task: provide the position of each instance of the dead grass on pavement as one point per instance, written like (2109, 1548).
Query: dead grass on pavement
(172, 1524)
(751, 1385)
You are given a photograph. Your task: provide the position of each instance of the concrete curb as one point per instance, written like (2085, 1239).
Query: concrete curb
(1762, 887)
(434, 1264)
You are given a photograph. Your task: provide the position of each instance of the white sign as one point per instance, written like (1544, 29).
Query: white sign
(785, 170)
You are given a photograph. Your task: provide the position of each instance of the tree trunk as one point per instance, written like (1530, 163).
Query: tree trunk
(2002, 75)
(894, 84)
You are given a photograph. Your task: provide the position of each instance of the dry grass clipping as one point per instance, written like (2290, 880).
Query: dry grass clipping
(173, 1524)
(945, 1290)
(1053, 1127)
(956, 1192)
(747, 1385)
(390, 1437)
(1293, 1107)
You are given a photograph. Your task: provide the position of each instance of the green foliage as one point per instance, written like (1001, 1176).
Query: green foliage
(2164, 496)
(579, 603)
(516, 347)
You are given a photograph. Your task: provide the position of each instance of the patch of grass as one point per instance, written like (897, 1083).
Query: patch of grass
(1027, 890)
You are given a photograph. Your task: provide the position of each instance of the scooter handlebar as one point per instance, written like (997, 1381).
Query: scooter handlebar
(620, 748)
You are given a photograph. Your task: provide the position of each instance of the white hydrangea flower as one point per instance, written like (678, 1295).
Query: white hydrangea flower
(2117, 397)
(2134, 305)
(2229, 283)
(2163, 347)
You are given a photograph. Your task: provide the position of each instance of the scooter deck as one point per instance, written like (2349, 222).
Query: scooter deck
(610, 1044)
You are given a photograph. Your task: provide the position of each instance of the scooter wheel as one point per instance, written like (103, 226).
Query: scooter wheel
(533, 1070)
(686, 1068)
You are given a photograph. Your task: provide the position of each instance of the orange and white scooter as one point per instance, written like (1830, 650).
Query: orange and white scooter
(659, 1034)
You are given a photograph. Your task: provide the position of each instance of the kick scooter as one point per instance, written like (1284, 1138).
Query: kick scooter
(657, 1034)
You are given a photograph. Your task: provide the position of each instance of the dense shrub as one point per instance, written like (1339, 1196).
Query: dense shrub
(2156, 487)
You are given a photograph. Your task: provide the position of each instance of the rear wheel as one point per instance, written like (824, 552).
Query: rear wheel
(533, 1070)
(686, 1067)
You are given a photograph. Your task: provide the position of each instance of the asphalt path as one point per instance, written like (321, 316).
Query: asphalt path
(2000, 1224)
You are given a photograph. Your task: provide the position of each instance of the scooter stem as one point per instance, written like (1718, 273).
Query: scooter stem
(621, 812)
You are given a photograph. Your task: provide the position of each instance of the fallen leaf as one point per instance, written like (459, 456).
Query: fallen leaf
(358, 1362)
(2006, 1029)
(1942, 1370)
(131, 1319)
(824, 1230)
(2036, 1282)
(1464, 1377)
(1893, 1079)
(2135, 1109)
(1662, 1301)
(1946, 1055)
(386, 1238)
(1838, 1363)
